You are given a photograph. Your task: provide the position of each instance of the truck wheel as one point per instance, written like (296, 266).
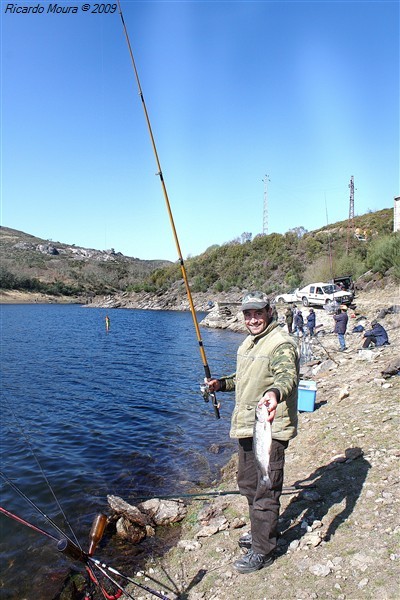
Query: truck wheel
(281, 301)
(305, 301)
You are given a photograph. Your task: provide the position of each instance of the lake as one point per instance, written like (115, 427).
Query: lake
(97, 413)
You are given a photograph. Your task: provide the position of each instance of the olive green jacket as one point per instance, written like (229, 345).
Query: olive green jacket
(266, 361)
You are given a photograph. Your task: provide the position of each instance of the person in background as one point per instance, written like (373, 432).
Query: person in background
(311, 322)
(341, 319)
(267, 373)
(107, 323)
(298, 323)
(377, 335)
(289, 319)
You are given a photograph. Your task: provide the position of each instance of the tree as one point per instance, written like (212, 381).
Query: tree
(298, 231)
(246, 237)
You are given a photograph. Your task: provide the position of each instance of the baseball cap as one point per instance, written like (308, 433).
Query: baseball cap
(254, 300)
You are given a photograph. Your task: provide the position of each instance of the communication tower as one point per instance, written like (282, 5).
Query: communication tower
(350, 224)
(265, 209)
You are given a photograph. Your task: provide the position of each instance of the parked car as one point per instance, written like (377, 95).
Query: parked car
(319, 294)
(289, 297)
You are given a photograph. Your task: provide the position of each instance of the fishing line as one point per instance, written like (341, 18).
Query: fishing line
(23, 522)
(171, 219)
(36, 507)
(25, 436)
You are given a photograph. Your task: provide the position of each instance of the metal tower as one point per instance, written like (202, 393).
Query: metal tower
(265, 209)
(350, 224)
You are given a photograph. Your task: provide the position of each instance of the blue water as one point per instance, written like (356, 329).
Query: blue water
(115, 412)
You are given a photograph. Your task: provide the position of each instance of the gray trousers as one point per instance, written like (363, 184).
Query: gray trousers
(264, 504)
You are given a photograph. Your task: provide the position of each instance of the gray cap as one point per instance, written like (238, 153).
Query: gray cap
(255, 300)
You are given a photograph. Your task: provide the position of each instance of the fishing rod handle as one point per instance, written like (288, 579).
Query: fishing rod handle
(71, 550)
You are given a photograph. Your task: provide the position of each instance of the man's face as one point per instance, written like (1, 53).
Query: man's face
(257, 320)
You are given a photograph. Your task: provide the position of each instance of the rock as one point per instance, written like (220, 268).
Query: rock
(130, 531)
(164, 512)
(391, 368)
(189, 545)
(353, 453)
(366, 355)
(311, 495)
(217, 524)
(320, 570)
(294, 545)
(132, 513)
(237, 523)
(343, 393)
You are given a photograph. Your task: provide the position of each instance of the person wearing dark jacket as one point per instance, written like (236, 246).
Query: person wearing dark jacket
(377, 335)
(311, 322)
(298, 323)
(341, 325)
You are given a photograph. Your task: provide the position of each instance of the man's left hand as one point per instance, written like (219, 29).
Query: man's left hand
(271, 402)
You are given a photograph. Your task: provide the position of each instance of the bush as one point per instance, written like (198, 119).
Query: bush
(384, 254)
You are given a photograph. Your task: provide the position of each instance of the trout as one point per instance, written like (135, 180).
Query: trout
(262, 440)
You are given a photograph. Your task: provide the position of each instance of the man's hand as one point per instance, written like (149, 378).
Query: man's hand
(271, 402)
(213, 384)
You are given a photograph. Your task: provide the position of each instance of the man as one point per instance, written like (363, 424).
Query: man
(311, 321)
(377, 335)
(298, 323)
(341, 319)
(267, 373)
(289, 319)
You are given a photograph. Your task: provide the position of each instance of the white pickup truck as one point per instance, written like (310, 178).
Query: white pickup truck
(319, 294)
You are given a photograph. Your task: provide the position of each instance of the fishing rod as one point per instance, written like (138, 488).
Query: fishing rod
(206, 393)
(37, 508)
(291, 489)
(70, 549)
(26, 437)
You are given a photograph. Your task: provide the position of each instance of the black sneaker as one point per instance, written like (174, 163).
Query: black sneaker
(251, 562)
(245, 540)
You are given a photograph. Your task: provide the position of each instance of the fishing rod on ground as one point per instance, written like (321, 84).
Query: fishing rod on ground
(32, 450)
(206, 393)
(75, 552)
(65, 544)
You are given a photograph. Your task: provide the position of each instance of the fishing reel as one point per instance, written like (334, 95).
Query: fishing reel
(209, 395)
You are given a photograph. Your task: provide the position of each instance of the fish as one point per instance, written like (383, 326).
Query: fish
(262, 440)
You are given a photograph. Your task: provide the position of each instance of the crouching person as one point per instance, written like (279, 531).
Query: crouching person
(267, 372)
(377, 335)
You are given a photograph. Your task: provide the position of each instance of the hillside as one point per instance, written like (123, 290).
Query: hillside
(36, 265)
(273, 263)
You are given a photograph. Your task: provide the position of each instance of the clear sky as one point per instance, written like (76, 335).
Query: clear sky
(306, 92)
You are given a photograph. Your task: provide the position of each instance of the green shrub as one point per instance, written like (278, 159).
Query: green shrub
(384, 254)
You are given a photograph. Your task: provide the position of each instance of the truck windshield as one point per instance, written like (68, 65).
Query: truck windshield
(330, 289)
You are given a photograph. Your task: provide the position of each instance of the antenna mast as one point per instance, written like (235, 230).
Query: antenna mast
(350, 224)
(265, 209)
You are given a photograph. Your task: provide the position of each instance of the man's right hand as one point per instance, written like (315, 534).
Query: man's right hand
(213, 384)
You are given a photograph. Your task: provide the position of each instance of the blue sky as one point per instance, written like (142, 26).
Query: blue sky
(305, 92)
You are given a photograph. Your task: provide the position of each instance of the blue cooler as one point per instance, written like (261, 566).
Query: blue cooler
(307, 394)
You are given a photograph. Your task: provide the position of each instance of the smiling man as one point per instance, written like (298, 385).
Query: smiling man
(267, 373)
